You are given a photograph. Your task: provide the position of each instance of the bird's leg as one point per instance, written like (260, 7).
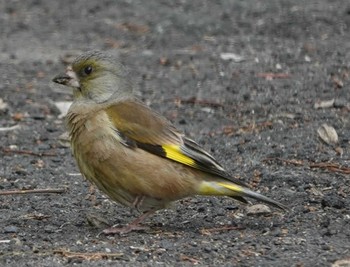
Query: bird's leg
(138, 202)
(133, 226)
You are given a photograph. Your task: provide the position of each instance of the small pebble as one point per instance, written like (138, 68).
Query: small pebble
(258, 209)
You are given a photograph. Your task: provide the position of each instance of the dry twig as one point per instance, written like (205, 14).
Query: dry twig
(331, 166)
(28, 152)
(271, 75)
(201, 102)
(208, 231)
(88, 255)
(33, 191)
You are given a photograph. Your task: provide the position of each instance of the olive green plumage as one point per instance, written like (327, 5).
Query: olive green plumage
(134, 155)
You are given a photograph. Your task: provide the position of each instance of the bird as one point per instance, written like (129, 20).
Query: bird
(133, 154)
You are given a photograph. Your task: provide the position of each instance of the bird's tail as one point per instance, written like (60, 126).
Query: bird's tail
(226, 188)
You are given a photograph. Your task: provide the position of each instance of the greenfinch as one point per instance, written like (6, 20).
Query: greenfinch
(130, 152)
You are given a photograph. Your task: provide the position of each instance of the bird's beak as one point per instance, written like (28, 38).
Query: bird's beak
(69, 78)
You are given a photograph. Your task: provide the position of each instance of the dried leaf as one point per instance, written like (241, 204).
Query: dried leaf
(342, 263)
(164, 61)
(63, 107)
(270, 76)
(232, 56)
(18, 116)
(193, 261)
(328, 134)
(339, 151)
(40, 74)
(3, 105)
(133, 27)
(337, 81)
(39, 163)
(324, 104)
(97, 221)
(287, 115)
(316, 192)
(35, 216)
(5, 129)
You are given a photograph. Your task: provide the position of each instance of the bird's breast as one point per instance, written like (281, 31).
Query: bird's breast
(92, 137)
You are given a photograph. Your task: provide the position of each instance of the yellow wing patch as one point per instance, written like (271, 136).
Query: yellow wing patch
(174, 152)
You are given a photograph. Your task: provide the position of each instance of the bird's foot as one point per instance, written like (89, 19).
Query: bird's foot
(133, 226)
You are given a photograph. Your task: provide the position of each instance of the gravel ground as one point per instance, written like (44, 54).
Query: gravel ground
(251, 81)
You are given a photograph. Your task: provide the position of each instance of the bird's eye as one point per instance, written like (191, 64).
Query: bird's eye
(88, 70)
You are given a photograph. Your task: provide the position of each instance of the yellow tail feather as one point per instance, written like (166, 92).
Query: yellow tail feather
(232, 190)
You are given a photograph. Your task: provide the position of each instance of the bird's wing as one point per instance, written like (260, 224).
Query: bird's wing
(140, 127)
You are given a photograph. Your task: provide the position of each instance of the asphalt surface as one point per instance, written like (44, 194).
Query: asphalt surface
(251, 81)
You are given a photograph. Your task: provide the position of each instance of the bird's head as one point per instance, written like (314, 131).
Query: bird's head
(96, 76)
